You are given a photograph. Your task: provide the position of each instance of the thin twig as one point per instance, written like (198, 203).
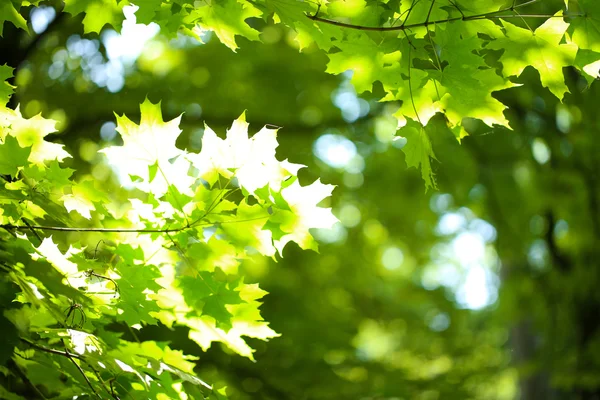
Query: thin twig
(429, 12)
(102, 383)
(458, 8)
(120, 230)
(48, 350)
(32, 230)
(412, 100)
(438, 66)
(189, 262)
(80, 370)
(475, 17)
(76, 229)
(412, 6)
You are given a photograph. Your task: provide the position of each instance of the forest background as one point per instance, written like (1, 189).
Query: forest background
(473, 275)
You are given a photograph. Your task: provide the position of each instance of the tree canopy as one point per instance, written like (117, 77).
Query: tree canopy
(130, 240)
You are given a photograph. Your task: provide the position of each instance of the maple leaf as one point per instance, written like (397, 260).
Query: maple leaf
(12, 156)
(418, 92)
(541, 49)
(252, 159)
(150, 146)
(227, 18)
(50, 251)
(30, 133)
(146, 10)
(418, 150)
(247, 229)
(304, 214)
(467, 83)
(585, 29)
(212, 294)
(293, 14)
(78, 203)
(97, 13)
(8, 12)
(136, 283)
(245, 321)
(214, 253)
(6, 89)
(369, 61)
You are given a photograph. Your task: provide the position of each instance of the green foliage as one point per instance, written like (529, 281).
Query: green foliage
(432, 56)
(168, 253)
(82, 268)
(10, 13)
(6, 89)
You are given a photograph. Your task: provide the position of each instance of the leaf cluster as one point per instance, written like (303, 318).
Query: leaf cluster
(430, 56)
(82, 269)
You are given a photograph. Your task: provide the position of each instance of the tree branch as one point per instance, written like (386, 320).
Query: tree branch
(81, 371)
(463, 17)
(119, 230)
(49, 350)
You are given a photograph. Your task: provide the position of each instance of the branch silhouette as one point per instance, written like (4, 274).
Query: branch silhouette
(475, 17)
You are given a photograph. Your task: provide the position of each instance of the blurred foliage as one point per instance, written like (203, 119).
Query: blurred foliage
(485, 289)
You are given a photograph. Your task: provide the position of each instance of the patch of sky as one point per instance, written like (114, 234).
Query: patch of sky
(122, 50)
(337, 151)
(337, 234)
(540, 150)
(346, 99)
(466, 263)
(108, 131)
(41, 17)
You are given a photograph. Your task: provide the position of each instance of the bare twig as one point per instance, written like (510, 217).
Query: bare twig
(48, 350)
(120, 230)
(81, 371)
(463, 17)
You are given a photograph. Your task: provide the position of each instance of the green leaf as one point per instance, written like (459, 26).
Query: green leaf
(227, 18)
(135, 304)
(305, 214)
(585, 30)
(176, 199)
(98, 13)
(30, 133)
(150, 143)
(12, 156)
(467, 83)
(6, 89)
(9, 13)
(147, 10)
(418, 151)
(78, 203)
(293, 14)
(211, 293)
(251, 161)
(589, 62)
(541, 49)
(215, 253)
(246, 230)
(370, 59)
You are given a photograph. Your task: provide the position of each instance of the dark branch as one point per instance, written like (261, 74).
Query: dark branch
(475, 17)
(49, 350)
(81, 371)
(119, 230)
